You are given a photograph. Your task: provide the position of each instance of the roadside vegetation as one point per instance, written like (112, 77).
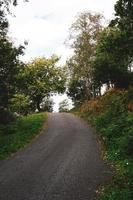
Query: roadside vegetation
(17, 134)
(25, 88)
(100, 83)
(112, 117)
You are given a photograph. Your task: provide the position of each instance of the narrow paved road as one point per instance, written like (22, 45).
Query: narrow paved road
(63, 163)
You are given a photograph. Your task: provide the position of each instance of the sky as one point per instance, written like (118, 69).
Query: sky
(45, 25)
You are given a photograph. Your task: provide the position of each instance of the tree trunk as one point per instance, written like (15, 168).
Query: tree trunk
(38, 106)
(100, 92)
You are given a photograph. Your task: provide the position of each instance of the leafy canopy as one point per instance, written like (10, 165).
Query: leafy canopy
(42, 77)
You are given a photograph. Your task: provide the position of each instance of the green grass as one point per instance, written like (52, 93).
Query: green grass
(117, 136)
(17, 134)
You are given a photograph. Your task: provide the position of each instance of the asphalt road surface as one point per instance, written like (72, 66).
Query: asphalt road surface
(63, 163)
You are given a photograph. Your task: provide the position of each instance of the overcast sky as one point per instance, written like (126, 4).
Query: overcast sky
(45, 25)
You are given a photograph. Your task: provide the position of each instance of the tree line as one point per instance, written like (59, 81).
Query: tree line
(101, 55)
(25, 87)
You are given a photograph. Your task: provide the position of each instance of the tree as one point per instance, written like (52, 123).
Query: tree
(124, 21)
(111, 63)
(76, 85)
(20, 104)
(4, 9)
(3, 21)
(83, 34)
(47, 104)
(124, 16)
(42, 78)
(6, 3)
(114, 54)
(64, 106)
(9, 69)
(77, 90)
(9, 63)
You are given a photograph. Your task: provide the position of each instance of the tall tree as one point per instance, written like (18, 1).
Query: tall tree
(9, 69)
(75, 83)
(114, 54)
(9, 63)
(124, 21)
(83, 37)
(111, 62)
(3, 21)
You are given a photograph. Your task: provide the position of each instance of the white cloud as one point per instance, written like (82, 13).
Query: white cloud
(45, 23)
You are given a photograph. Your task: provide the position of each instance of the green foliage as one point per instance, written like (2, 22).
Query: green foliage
(24, 88)
(40, 78)
(9, 65)
(64, 106)
(83, 38)
(9, 69)
(17, 134)
(115, 124)
(111, 64)
(124, 20)
(20, 104)
(77, 90)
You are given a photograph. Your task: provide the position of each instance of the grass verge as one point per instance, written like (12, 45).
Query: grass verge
(17, 134)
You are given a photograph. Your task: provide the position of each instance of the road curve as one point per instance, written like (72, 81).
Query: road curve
(63, 163)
